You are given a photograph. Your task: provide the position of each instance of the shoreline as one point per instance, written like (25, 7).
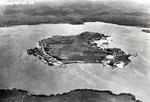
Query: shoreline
(15, 25)
(12, 94)
(90, 52)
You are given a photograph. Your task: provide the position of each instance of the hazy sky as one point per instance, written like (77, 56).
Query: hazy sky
(7, 1)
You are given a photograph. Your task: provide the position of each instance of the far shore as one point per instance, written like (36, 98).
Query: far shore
(11, 25)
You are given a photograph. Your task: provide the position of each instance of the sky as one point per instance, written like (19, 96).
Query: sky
(144, 3)
(10, 1)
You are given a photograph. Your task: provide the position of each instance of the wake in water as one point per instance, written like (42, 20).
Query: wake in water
(144, 58)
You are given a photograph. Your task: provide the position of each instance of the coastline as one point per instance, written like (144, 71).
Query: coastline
(88, 47)
(40, 23)
(77, 95)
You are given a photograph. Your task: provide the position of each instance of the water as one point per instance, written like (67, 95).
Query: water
(19, 70)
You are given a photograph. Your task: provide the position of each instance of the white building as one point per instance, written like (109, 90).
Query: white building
(109, 57)
(119, 64)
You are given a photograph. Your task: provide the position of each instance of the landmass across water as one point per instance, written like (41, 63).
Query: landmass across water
(78, 95)
(122, 13)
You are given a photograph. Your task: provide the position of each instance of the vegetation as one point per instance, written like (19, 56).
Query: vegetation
(78, 95)
(73, 49)
(75, 13)
(146, 30)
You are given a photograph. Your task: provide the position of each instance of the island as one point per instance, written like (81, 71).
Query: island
(78, 95)
(87, 47)
(146, 30)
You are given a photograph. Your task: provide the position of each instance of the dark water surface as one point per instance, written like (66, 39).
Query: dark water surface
(19, 70)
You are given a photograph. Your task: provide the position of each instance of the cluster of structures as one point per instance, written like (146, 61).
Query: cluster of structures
(112, 60)
(115, 56)
(101, 42)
